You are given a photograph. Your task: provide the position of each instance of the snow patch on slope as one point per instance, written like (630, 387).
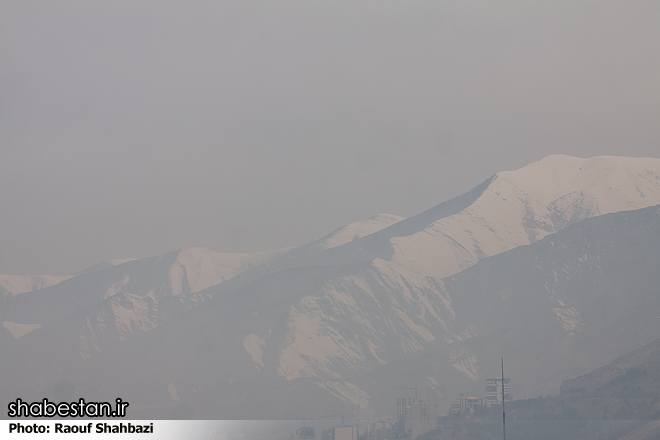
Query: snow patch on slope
(348, 392)
(133, 312)
(17, 330)
(17, 284)
(203, 268)
(88, 343)
(171, 390)
(353, 316)
(253, 344)
(434, 385)
(569, 318)
(419, 290)
(312, 344)
(356, 230)
(373, 349)
(468, 366)
(117, 287)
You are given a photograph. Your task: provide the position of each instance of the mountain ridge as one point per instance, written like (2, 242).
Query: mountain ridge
(372, 294)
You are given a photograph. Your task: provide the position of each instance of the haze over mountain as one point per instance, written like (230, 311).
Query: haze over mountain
(618, 401)
(514, 266)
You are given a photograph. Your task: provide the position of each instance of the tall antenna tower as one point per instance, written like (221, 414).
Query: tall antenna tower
(503, 416)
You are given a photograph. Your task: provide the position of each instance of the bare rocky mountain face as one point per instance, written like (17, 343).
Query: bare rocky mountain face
(513, 267)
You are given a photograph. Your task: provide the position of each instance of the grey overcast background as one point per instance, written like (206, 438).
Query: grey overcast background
(132, 128)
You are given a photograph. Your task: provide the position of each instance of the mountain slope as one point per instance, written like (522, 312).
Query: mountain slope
(405, 261)
(431, 297)
(563, 305)
(520, 207)
(554, 309)
(326, 339)
(133, 296)
(141, 294)
(354, 231)
(17, 284)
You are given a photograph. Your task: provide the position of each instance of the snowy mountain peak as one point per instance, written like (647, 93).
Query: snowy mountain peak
(523, 206)
(619, 183)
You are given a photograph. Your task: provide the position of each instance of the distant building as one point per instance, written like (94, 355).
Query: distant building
(414, 418)
(381, 430)
(466, 405)
(346, 433)
(304, 433)
(402, 405)
(494, 391)
(327, 434)
(421, 418)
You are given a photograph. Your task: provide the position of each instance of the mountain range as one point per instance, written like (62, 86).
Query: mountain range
(553, 266)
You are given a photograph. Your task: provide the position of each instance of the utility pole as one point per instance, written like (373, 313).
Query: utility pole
(503, 417)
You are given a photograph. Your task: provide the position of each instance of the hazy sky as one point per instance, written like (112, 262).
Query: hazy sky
(132, 128)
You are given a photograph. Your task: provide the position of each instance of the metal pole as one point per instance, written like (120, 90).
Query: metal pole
(503, 417)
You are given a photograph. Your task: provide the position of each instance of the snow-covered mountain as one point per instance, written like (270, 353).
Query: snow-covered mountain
(522, 206)
(140, 294)
(555, 308)
(319, 325)
(13, 285)
(131, 295)
(354, 231)
(400, 266)
(16, 284)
